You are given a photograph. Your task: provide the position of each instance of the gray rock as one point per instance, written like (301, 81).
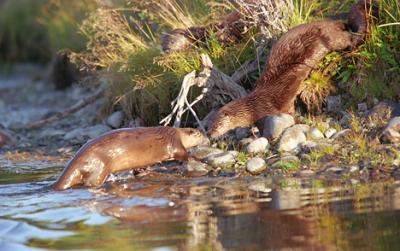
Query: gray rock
(241, 133)
(51, 132)
(196, 168)
(290, 158)
(89, 132)
(305, 173)
(259, 145)
(362, 107)
(391, 133)
(342, 134)
(293, 137)
(256, 165)
(115, 119)
(315, 134)
(330, 132)
(334, 103)
(260, 186)
(244, 142)
(346, 118)
(383, 111)
(203, 152)
(225, 159)
(273, 126)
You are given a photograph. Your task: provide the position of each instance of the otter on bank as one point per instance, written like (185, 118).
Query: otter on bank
(125, 149)
(290, 62)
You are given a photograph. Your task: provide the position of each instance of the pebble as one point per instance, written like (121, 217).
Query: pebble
(330, 132)
(293, 137)
(203, 152)
(244, 142)
(315, 134)
(391, 133)
(362, 107)
(115, 120)
(256, 165)
(260, 186)
(225, 159)
(196, 168)
(305, 173)
(51, 132)
(333, 103)
(241, 133)
(259, 145)
(273, 126)
(341, 134)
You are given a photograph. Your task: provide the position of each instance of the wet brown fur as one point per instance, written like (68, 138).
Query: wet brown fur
(126, 149)
(290, 62)
(361, 16)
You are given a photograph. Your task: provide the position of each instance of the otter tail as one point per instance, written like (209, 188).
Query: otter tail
(70, 176)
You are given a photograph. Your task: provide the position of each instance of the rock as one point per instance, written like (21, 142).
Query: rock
(346, 118)
(244, 142)
(259, 145)
(196, 168)
(273, 126)
(290, 158)
(241, 133)
(362, 107)
(89, 132)
(315, 134)
(391, 133)
(225, 159)
(353, 169)
(256, 165)
(333, 103)
(330, 132)
(305, 173)
(203, 152)
(51, 132)
(335, 170)
(115, 120)
(342, 134)
(260, 186)
(293, 137)
(383, 111)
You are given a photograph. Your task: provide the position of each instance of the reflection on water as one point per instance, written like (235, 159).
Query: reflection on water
(170, 213)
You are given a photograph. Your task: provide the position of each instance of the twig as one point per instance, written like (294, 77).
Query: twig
(209, 78)
(60, 115)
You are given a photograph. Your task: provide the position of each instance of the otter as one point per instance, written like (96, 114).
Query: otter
(125, 149)
(360, 17)
(290, 62)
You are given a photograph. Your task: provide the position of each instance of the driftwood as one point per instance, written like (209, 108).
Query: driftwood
(60, 115)
(216, 85)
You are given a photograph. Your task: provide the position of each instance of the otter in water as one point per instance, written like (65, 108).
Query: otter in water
(125, 149)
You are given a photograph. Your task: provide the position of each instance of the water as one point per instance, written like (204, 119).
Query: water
(166, 212)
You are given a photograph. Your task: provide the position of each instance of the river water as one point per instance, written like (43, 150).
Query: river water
(163, 212)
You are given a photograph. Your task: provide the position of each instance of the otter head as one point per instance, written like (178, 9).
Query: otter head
(231, 116)
(192, 137)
